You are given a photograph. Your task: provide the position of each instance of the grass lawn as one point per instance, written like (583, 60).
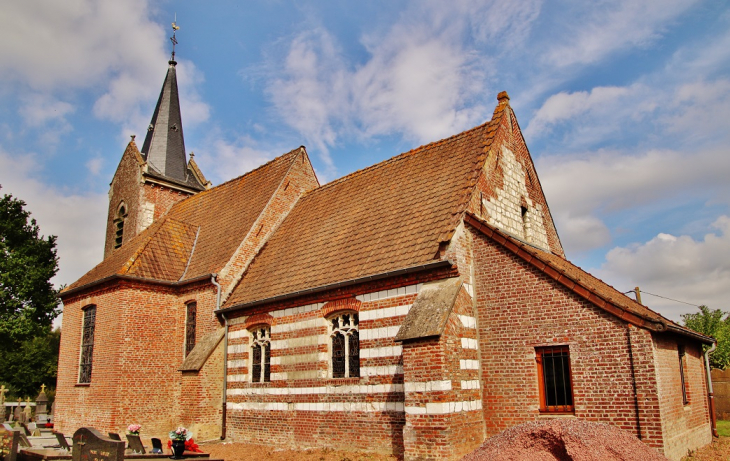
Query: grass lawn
(723, 428)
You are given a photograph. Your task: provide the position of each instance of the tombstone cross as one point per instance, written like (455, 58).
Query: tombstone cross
(43, 388)
(3, 391)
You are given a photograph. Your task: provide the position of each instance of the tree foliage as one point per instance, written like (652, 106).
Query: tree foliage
(715, 323)
(29, 365)
(28, 302)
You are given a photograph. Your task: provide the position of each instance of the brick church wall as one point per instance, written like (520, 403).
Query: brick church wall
(303, 406)
(443, 406)
(685, 427)
(124, 187)
(519, 309)
(138, 350)
(155, 201)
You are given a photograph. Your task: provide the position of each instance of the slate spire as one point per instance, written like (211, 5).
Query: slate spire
(164, 145)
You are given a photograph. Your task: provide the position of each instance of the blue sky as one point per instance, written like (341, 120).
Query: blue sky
(625, 106)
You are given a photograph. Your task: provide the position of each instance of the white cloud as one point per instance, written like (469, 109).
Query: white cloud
(582, 232)
(94, 165)
(616, 180)
(223, 160)
(678, 267)
(38, 109)
(589, 35)
(423, 77)
(79, 221)
(107, 45)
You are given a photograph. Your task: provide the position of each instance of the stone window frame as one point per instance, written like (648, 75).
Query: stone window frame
(86, 345)
(119, 221)
(260, 336)
(191, 326)
(347, 332)
(550, 401)
(682, 353)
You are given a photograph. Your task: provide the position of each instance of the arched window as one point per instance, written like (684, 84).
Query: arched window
(87, 344)
(261, 354)
(345, 338)
(119, 225)
(190, 326)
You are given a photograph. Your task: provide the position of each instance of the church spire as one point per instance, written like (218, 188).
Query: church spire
(164, 145)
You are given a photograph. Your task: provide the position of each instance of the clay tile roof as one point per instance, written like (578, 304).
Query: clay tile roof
(390, 216)
(582, 283)
(215, 222)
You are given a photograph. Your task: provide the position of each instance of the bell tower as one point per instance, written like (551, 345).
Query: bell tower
(148, 182)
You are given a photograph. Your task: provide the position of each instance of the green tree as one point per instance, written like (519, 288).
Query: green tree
(715, 323)
(32, 363)
(28, 301)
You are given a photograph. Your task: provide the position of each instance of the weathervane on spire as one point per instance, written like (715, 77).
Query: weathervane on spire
(175, 28)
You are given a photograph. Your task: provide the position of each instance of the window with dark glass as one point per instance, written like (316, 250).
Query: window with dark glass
(190, 325)
(345, 346)
(119, 226)
(261, 355)
(556, 388)
(87, 344)
(680, 351)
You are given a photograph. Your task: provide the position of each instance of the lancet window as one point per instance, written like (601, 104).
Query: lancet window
(87, 344)
(261, 354)
(345, 342)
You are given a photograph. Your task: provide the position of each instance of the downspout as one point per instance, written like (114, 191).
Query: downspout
(633, 380)
(225, 356)
(710, 394)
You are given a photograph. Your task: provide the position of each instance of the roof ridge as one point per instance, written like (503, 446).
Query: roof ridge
(291, 152)
(590, 294)
(400, 156)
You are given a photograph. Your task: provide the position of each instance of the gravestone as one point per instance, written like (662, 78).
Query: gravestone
(41, 406)
(91, 445)
(18, 412)
(28, 411)
(135, 444)
(62, 442)
(8, 444)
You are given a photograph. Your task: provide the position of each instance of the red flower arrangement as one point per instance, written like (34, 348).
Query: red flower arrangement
(190, 445)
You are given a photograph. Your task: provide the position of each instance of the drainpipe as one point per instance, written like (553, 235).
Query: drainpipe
(710, 395)
(225, 356)
(633, 380)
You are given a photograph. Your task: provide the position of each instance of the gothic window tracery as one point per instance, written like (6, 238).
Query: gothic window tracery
(87, 344)
(261, 354)
(345, 342)
(190, 326)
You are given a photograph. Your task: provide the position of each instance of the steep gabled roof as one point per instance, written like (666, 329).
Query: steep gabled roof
(582, 283)
(198, 235)
(390, 216)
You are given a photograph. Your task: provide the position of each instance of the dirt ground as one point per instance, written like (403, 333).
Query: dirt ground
(718, 451)
(250, 452)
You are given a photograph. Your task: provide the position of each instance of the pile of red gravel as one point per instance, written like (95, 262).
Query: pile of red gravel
(564, 440)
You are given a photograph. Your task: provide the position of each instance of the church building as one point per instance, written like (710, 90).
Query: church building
(415, 307)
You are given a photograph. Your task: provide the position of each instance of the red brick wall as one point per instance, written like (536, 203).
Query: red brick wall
(445, 422)
(520, 309)
(491, 179)
(124, 187)
(685, 427)
(138, 349)
(162, 197)
(127, 186)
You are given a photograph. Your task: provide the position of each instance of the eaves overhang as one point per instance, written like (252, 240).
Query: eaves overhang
(441, 264)
(131, 278)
